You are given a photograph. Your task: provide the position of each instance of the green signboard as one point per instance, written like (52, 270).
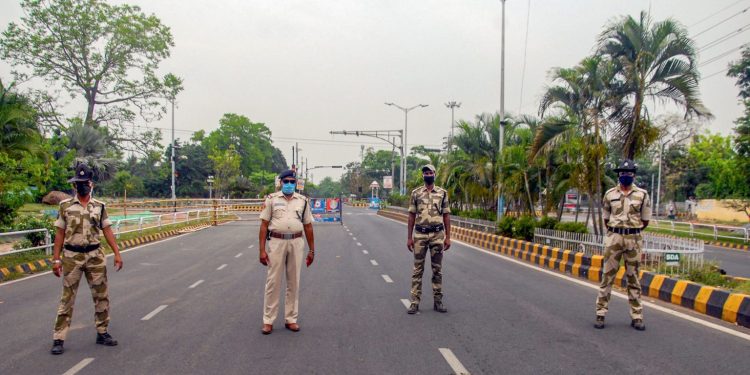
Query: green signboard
(672, 259)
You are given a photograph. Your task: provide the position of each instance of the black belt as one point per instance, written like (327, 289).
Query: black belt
(285, 236)
(429, 228)
(81, 249)
(624, 230)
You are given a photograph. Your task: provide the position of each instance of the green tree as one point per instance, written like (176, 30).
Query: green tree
(252, 141)
(107, 54)
(226, 169)
(655, 62)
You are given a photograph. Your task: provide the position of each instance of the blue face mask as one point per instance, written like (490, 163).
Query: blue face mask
(626, 180)
(288, 189)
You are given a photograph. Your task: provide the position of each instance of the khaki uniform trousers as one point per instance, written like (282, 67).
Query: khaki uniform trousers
(74, 266)
(617, 247)
(286, 257)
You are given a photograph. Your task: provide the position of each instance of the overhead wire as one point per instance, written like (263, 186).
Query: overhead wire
(724, 38)
(715, 13)
(721, 22)
(721, 55)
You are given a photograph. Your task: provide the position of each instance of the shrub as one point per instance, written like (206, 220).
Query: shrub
(523, 228)
(397, 199)
(505, 226)
(708, 274)
(24, 244)
(570, 226)
(31, 222)
(547, 222)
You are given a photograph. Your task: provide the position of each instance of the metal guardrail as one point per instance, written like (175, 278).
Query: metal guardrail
(654, 247)
(47, 241)
(464, 222)
(123, 226)
(717, 231)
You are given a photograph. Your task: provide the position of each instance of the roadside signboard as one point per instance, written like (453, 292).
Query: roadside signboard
(672, 259)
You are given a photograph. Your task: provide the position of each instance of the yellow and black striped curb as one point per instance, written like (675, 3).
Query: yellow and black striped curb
(359, 204)
(729, 245)
(731, 307)
(44, 264)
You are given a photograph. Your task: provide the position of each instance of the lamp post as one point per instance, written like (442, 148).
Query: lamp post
(210, 182)
(500, 201)
(405, 144)
(452, 105)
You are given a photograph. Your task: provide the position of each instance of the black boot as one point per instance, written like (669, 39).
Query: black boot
(413, 309)
(57, 347)
(105, 339)
(599, 322)
(439, 307)
(638, 324)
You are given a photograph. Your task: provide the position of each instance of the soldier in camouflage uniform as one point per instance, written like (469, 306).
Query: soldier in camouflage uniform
(80, 222)
(429, 215)
(627, 211)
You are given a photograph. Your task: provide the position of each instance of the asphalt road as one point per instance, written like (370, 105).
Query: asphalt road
(503, 317)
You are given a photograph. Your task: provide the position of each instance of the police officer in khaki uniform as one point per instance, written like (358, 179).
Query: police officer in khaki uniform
(627, 211)
(80, 223)
(429, 216)
(284, 217)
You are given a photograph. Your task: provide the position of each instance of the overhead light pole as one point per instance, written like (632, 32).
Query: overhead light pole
(452, 105)
(500, 200)
(405, 144)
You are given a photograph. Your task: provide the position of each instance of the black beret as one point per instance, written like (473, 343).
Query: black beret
(287, 173)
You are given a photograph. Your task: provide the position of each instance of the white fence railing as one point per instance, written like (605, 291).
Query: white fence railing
(122, 226)
(654, 247)
(712, 230)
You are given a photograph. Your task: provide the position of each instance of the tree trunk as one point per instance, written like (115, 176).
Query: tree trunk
(528, 194)
(560, 208)
(578, 203)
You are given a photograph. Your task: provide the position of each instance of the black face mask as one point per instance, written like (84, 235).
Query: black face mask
(83, 189)
(429, 180)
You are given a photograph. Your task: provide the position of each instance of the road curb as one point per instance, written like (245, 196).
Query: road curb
(730, 307)
(729, 245)
(45, 264)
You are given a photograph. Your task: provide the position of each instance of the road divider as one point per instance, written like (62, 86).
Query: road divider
(718, 303)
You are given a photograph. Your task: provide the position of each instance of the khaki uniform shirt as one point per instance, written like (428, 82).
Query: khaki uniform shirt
(626, 210)
(429, 206)
(286, 216)
(83, 225)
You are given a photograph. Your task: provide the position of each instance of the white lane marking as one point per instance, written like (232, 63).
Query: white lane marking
(359, 244)
(199, 282)
(387, 278)
(374, 263)
(351, 234)
(74, 370)
(455, 364)
(221, 267)
(614, 293)
(238, 255)
(156, 311)
(406, 302)
(251, 246)
(354, 238)
(365, 252)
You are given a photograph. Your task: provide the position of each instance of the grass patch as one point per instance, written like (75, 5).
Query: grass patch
(708, 275)
(701, 234)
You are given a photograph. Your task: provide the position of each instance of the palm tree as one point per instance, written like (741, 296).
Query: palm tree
(90, 147)
(19, 134)
(653, 60)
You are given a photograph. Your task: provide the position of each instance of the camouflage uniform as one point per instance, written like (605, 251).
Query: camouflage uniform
(429, 208)
(623, 210)
(83, 227)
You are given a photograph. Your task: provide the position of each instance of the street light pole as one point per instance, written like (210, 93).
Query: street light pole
(500, 202)
(174, 193)
(404, 142)
(452, 105)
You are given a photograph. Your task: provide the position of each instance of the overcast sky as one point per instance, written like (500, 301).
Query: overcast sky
(305, 68)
